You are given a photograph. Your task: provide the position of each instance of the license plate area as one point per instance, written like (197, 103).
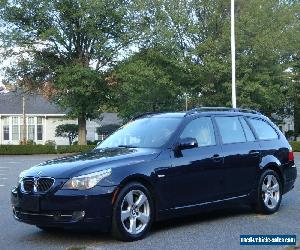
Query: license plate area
(30, 203)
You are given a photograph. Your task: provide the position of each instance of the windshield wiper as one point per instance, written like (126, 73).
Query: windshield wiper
(127, 146)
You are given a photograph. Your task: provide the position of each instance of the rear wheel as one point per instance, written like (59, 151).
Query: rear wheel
(133, 213)
(269, 192)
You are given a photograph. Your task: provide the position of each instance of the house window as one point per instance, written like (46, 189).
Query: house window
(39, 128)
(15, 128)
(6, 129)
(31, 128)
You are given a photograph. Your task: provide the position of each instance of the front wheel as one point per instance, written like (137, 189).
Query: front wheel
(269, 192)
(133, 213)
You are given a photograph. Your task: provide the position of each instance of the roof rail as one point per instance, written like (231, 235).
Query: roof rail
(207, 109)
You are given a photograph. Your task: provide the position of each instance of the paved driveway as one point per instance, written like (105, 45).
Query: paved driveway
(213, 230)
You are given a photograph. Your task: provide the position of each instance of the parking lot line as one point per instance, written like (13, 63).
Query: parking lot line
(3, 178)
(2, 185)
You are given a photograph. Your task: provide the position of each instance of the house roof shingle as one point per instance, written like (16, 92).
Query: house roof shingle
(11, 103)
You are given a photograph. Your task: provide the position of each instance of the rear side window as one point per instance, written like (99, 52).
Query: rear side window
(263, 129)
(248, 132)
(202, 130)
(230, 129)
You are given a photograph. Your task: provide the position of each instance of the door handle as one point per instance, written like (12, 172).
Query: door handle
(216, 158)
(254, 153)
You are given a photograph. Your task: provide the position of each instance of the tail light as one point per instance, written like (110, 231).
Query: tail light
(291, 156)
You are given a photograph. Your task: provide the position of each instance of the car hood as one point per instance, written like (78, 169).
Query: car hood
(94, 160)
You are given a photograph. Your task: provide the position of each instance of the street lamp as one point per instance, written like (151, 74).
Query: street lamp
(233, 87)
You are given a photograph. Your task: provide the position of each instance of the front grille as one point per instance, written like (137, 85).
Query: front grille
(44, 184)
(41, 184)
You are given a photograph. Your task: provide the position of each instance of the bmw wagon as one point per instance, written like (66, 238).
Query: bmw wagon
(159, 166)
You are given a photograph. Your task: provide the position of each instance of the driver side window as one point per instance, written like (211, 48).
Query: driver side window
(202, 130)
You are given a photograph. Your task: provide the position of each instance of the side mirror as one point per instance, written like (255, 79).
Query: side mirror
(187, 143)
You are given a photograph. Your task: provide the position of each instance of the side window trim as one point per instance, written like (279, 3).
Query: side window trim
(246, 118)
(250, 127)
(216, 130)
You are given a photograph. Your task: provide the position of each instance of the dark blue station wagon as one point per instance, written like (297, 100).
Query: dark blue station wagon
(160, 166)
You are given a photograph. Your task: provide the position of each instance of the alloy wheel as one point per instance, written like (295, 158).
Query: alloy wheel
(135, 212)
(270, 191)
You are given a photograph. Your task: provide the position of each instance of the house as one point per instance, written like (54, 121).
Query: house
(287, 124)
(42, 118)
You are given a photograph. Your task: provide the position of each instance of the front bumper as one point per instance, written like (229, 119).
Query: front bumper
(65, 208)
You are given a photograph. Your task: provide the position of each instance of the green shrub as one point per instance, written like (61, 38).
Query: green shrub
(30, 142)
(42, 149)
(50, 143)
(295, 145)
(91, 142)
(26, 149)
(74, 148)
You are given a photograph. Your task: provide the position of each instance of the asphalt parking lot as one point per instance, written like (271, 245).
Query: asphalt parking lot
(210, 230)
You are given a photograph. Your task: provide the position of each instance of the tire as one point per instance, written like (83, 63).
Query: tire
(135, 203)
(269, 192)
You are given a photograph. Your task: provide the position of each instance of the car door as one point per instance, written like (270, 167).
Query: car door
(196, 174)
(241, 154)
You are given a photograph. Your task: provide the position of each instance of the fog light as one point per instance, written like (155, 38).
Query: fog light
(78, 215)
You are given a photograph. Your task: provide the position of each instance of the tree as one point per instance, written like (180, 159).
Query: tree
(295, 70)
(107, 129)
(183, 47)
(65, 46)
(149, 81)
(69, 131)
(267, 38)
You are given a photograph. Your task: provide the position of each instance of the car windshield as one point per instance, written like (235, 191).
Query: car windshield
(142, 133)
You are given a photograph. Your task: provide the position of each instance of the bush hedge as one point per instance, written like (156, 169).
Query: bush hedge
(42, 149)
(295, 145)
(74, 148)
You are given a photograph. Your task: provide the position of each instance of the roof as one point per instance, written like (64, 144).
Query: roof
(11, 103)
(108, 119)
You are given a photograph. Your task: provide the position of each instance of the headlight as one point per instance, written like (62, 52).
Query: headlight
(87, 181)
